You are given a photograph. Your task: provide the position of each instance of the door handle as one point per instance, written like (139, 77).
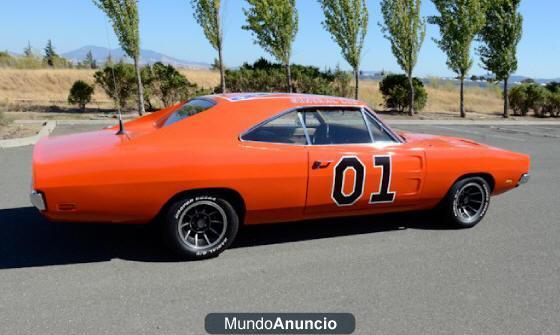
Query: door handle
(320, 165)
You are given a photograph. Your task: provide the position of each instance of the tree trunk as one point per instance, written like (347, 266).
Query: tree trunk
(506, 98)
(357, 79)
(410, 94)
(289, 78)
(222, 70)
(140, 88)
(462, 97)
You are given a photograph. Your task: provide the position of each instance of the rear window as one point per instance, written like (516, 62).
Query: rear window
(192, 107)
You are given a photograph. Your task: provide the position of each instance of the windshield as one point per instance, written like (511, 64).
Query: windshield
(192, 107)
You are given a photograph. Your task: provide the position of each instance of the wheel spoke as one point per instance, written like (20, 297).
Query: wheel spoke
(207, 235)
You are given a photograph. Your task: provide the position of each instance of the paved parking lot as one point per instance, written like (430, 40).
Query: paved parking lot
(400, 274)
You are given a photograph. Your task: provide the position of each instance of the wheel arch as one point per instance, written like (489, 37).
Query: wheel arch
(229, 194)
(484, 175)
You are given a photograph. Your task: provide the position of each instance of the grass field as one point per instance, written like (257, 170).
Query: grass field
(23, 89)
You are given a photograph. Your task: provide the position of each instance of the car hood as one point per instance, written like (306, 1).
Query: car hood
(440, 141)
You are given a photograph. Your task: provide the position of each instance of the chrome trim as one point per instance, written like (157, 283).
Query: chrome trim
(524, 179)
(307, 138)
(37, 200)
(364, 117)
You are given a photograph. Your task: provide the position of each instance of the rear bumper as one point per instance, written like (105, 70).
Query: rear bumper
(37, 200)
(524, 179)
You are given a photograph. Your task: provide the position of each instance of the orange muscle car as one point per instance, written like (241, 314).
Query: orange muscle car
(204, 167)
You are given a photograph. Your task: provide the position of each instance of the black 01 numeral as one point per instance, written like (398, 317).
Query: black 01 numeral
(384, 195)
(354, 163)
(338, 195)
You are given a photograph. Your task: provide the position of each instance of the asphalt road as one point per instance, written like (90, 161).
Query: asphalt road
(398, 274)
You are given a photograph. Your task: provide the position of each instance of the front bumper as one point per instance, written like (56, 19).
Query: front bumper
(524, 179)
(37, 200)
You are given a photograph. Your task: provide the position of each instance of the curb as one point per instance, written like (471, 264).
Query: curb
(70, 122)
(48, 127)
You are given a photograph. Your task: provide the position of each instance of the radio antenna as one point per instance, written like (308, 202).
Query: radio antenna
(121, 130)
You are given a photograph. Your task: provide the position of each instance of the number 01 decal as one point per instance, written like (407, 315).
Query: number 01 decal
(353, 163)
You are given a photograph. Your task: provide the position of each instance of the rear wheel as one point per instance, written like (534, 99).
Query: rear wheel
(467, 202)
(201, 226)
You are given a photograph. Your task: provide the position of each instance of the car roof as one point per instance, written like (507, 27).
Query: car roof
(293, 100)
(235, 113)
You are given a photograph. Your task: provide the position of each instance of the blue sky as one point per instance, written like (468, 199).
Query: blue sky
(167, 26)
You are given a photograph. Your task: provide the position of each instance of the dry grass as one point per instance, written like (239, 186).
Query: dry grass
(45, 87)
(443, 98)
(21, 89)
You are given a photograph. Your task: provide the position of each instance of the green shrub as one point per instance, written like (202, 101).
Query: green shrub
(264, 76)
(80, 94)
(395, 90)
(526, 97)
(167, 84)
(118, 81)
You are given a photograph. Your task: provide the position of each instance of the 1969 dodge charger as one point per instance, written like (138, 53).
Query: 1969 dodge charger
(204, 167)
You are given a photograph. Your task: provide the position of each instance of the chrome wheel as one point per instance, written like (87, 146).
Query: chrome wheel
(202, 224)
(470, 202)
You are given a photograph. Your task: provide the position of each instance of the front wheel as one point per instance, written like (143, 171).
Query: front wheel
(467, 202)
(200, 226)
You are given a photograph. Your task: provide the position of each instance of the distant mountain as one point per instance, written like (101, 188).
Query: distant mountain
(146, 56)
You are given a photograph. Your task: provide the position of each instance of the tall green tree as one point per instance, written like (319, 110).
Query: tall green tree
(207, 14)
(274, 24)
(499, 36)
(124, 16)
(50, 54)
(459, 22)
(405, 29)
(347, 21)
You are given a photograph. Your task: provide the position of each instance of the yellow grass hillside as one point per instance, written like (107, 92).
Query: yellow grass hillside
(46, 87)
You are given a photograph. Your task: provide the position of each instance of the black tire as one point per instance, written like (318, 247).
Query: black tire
(192, 227)
(466, 202)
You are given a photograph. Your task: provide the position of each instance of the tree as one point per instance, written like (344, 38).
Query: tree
(405, 29)
(207, 14)
(499, 36)
(274, 24)
(395, 91)
(168, 84)
(50, 54)
(124, 16)
(118, 82)
(459, 22)
(347, 21)
(80, 94)
(89, 61)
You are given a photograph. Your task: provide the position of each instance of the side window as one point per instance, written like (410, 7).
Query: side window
(379, 134)
(338, 127)
(284, 129)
